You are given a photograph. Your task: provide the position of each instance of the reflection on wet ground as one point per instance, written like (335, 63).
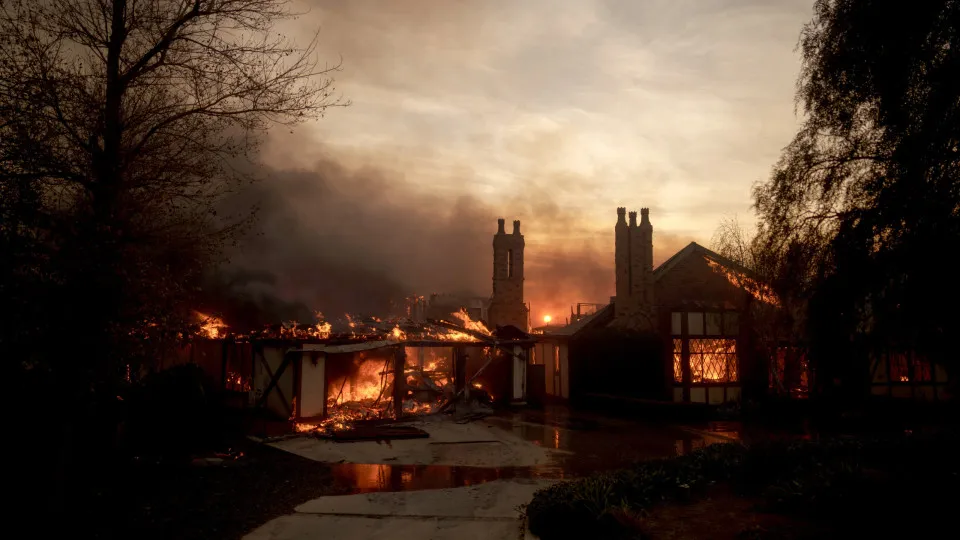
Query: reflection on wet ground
(589, 443)
(366, 478)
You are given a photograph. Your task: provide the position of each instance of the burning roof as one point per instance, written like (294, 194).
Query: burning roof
(350, 328)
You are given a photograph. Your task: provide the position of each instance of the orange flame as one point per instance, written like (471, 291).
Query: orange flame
(211, 327)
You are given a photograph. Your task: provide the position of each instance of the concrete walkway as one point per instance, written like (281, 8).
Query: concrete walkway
(488, 511)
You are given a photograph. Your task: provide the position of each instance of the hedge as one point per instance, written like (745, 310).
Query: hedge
(809, 477)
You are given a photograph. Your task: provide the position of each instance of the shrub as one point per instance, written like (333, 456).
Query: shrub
(818, 477)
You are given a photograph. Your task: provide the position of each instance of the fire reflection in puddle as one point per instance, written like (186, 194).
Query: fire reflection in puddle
(367, 478)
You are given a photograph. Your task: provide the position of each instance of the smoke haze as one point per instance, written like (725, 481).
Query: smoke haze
(340, 240)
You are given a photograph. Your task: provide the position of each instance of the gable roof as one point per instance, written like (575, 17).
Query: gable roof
(694, 248)
(588, 321)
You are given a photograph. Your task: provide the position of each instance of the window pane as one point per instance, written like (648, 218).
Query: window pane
(695, 324)
(696, 367)
(899, 368)
(675, 319)
(713, 324)
(713, 360)
(731, 323)
(921, 370)
(677, 360)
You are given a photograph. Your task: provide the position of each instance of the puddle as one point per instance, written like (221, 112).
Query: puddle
(588, 444)
(367, 478)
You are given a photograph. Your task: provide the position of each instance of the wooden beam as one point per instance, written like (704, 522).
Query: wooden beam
(399, 380)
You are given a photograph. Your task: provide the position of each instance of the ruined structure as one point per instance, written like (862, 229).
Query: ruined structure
(635, 305)
(506, 304)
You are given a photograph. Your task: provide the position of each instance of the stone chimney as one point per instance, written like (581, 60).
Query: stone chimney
(635, 305)
(622, 262)
(506, 304)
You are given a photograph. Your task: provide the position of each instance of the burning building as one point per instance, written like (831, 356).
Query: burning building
(691, 302)
(332, 373)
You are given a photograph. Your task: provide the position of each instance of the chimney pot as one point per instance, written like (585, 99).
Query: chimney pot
(516, 226)
(645, 215)
(500, 223)
(633, 219)
(621, 215)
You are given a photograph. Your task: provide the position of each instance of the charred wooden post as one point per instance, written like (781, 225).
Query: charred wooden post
(399, 381)
(460, 368)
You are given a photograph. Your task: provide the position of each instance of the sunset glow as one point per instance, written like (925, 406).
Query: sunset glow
(676, 106)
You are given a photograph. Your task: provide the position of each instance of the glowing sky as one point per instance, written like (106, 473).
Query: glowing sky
(555, 112)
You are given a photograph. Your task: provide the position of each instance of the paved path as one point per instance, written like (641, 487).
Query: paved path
(487, 511)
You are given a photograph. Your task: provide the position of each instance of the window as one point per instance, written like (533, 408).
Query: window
(556, 359)
(921, 370)
(677, 360)
(713, 360)
(675, 326)
(731, 323)
(509, 263)
(695, 324)
(906, 367)
(899, 368)
(714, 324)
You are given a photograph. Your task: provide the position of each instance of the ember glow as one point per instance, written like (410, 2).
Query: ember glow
(211, 327)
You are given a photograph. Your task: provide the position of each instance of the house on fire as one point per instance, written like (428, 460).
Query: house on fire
(692, 301)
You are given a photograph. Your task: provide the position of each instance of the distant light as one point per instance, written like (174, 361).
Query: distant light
(547, 318)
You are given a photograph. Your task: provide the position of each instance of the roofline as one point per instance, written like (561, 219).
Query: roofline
(692, 247)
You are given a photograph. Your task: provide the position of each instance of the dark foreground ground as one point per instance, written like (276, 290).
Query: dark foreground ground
(178, 499)
(214, 501)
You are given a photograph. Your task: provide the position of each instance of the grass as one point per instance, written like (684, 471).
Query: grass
(843, 484)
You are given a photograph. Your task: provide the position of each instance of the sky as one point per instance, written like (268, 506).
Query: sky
(553, 112)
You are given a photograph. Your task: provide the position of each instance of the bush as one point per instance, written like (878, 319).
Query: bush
(810, 477)
(171, 415)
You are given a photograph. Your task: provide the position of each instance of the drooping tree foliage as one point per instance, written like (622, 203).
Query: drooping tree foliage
(861, 216)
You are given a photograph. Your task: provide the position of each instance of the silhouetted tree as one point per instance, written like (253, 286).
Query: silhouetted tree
(866, 198)
(118, 123)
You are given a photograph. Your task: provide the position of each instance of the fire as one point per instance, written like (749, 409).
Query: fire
(211, 327)
(368, 383)
(759, 291)
(547, 319)
(470, 324)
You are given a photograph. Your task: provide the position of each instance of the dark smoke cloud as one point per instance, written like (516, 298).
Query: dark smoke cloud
(340, 240)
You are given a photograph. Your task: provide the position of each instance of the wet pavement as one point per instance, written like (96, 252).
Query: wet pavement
(585, 443)
(447, 496)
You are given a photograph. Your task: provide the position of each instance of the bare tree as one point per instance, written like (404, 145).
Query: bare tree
(777, 310)
(121, 118)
